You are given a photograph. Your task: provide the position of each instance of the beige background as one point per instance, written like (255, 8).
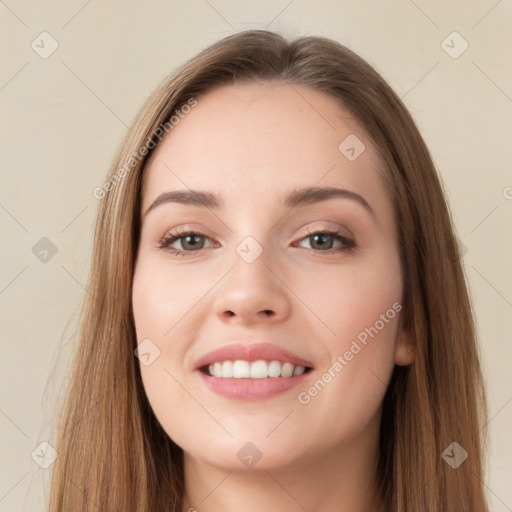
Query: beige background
(63, 118)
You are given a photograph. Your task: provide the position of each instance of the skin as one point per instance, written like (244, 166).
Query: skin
(251, 144)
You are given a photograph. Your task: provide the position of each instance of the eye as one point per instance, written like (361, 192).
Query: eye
(189, 240)
(322, 241)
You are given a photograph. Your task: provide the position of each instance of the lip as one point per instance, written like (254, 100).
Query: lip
(252, 389)
(251, 352)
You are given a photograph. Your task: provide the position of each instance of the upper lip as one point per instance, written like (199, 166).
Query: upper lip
(251, 352)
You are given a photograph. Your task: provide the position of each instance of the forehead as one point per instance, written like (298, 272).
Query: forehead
(256, 141)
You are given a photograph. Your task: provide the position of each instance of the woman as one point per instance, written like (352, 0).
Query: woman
(277, 315)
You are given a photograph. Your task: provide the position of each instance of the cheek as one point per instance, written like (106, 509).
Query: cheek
(346, 396)
(160, 305)
(351, 297)
(164, 297)
(360, 311)
(165, 306)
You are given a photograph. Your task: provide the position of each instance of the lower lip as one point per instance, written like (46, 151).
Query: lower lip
(252, 389)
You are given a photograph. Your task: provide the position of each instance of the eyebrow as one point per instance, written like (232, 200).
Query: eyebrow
(300, 197)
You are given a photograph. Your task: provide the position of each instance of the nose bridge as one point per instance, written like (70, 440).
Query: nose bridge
(253, 236)
(251, 265)
(251, 289)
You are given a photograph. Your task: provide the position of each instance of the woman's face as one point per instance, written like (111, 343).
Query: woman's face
(259, 272)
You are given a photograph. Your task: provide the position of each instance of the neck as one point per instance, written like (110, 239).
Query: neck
(340, 480)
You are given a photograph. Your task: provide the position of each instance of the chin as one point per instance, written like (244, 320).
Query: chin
(243, 454)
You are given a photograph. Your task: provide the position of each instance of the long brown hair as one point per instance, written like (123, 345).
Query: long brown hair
(113, 455)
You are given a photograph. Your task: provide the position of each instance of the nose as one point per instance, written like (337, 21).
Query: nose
(252, 293)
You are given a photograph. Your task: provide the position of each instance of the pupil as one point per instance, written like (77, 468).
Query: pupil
(323, 235)
(188, 237)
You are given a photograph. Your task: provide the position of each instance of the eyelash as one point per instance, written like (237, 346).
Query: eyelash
(177, 234)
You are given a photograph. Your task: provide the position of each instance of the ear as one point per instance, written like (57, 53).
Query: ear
(405, 348)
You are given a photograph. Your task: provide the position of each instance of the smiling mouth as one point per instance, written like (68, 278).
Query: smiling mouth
(261, 369)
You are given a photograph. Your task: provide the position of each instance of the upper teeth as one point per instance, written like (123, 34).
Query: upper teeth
(256, 370)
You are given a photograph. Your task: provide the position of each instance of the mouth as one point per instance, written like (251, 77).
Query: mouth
(252, 371)
(253, 381)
